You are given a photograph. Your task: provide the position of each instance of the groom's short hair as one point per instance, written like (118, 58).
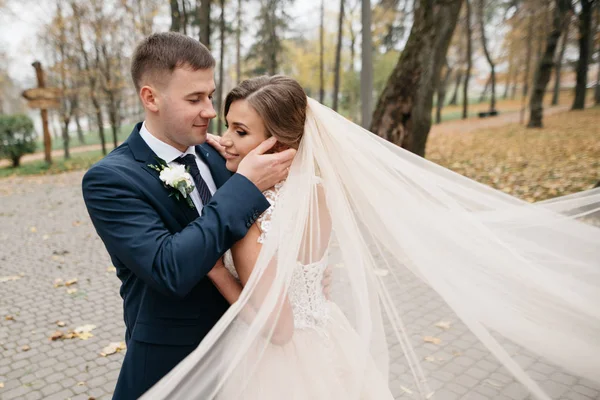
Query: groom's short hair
(158, 55)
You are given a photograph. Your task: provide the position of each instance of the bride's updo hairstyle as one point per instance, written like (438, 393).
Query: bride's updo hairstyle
(281, 103)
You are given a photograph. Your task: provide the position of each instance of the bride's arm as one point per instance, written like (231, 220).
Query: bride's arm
(229, 287)
(245, 253)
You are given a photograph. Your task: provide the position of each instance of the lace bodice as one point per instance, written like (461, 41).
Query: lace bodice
(305, 293)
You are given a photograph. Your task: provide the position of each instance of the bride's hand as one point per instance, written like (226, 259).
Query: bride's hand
(215, 142)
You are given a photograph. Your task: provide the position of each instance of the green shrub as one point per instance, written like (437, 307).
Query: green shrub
(17, 137)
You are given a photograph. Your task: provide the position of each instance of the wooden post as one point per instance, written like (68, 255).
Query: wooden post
(47, 138)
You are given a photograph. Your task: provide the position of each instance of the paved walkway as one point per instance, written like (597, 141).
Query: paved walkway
(45, 234)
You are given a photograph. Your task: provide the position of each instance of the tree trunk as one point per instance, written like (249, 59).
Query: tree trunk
(485, 89)
(487, 55)
(509, 73)
(585, 37)
(184, 17)
(469, 57)
(559, 61)
(597, 88)
(441, 94)
(100, 122)
(238, 44)
(366, 72)
(454, 99)
(80, 136)
(338, 57)
(114, 123)
(544, 68)
(175, 16)
(204, 20)
(403, 113)
(529, 46)
(16, 161)
(221, 71)
(65, 137)
(515, 81)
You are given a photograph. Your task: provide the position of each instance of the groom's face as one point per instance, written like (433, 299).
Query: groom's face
(185, 106)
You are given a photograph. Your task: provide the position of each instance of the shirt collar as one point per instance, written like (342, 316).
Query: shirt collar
(163, 150)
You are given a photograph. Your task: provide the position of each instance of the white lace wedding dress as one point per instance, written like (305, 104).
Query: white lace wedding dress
(320, 362)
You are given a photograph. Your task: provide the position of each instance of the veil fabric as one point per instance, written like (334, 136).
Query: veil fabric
(519, 278)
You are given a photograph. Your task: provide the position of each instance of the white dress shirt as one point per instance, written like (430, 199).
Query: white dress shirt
(169, 153)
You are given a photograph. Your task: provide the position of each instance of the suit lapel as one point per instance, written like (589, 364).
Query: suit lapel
(145, 156)
(215, 163)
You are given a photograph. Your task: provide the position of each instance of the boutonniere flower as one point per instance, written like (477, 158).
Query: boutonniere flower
(176, 178)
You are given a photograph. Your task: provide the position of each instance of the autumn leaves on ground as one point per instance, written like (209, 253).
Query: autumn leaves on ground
(532, 164)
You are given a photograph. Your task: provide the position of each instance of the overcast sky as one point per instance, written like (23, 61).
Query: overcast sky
(20, 26)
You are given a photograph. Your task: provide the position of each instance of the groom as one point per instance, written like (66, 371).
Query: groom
(162, 245)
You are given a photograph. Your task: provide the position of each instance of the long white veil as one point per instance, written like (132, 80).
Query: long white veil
(409, 243)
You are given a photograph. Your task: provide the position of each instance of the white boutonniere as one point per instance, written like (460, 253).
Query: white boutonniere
(176, 178)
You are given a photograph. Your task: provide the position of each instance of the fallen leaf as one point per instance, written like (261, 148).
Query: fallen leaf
(80, 383)
(76, 223)
(1, 385)
(57, 335)
(45, 237)
(61, 323)
(430, 358)
(9, 278)
(456, 353)
(58, 282)
(113, 348)
(33, 229)
(111, 269)
(431, 339)
(84, 328)
(71, 282)
(9, 318)
(71, 291)
(445, 325)
(25, 348)
(84, 335)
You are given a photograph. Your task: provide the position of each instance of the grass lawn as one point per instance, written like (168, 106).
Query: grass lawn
(532, 164)
(77, 161)
(89, 137)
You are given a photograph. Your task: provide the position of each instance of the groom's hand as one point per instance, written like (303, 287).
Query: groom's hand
(265, 170)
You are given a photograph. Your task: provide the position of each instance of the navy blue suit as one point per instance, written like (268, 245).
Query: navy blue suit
(162, 250)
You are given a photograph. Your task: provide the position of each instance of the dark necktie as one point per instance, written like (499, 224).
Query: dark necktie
(189, 160)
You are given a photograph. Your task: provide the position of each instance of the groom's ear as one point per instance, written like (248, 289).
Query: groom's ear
(149, 98)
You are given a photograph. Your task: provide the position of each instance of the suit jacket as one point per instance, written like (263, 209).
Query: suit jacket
(162, 250)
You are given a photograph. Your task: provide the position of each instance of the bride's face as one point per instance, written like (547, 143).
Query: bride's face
(245, 131)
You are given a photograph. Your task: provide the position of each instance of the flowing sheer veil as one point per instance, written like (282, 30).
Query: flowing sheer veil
(411, 243)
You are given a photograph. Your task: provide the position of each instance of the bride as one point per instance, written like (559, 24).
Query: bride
(382, 220)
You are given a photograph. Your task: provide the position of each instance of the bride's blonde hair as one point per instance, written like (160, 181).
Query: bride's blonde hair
(281, 103)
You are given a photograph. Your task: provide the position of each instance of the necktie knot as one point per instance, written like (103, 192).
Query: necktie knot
(189, 160)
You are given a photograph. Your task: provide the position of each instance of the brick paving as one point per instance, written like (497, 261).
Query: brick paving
(45, 234)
